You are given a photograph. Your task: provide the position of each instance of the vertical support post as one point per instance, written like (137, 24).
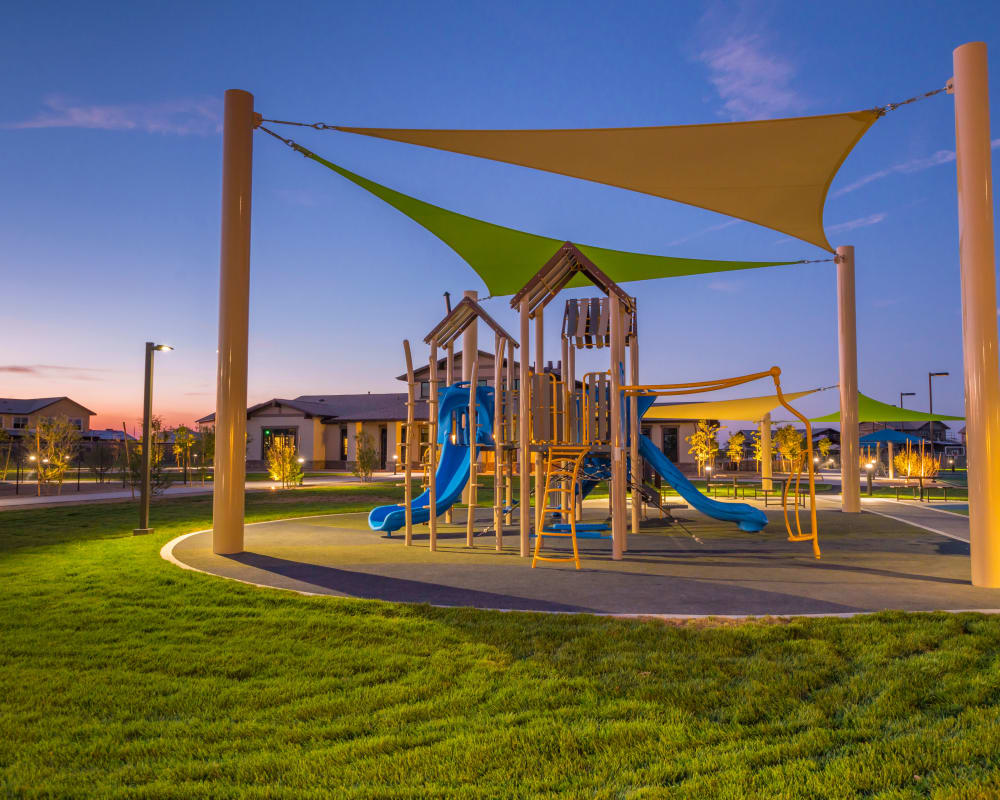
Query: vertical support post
(892, 466)
(449, 379)
(470, 355)
(539, 456)
(498, 427)
(979, 304)
(408, 453)
(234, 315)
(766, 453)
(432, 436)
(473, 425)
(617, 488)
(634, 431)
(524, 437)
(147, 442)
(850, 470)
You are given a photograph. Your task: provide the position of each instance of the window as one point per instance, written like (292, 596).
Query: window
(670, 443)
(270, 435)
(77, 423)
(425, 389)
(343, 443)
(20, 424)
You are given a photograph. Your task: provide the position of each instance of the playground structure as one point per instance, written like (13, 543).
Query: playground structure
(702, 155)
(569, 435)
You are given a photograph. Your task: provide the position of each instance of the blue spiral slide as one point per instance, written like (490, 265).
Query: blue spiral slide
(453, 469)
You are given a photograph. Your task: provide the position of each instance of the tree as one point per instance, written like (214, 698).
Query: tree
(159, 478)
(184, 440)
(205, 448)
(916, 463)
(283, 462)
(703, 443)
(366, 457)
(56, 443)
(6, 450)
(824, 446)
(734, 447)
(790, 445)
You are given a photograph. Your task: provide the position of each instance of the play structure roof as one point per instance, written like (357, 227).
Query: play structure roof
(744, 408)
(871, 410)
(506, 258)
(889, 435)
(775, 173)
(460, 318)
(567, 264)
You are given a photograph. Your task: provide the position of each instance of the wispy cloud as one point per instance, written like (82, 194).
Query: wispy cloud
(185, 117)
(752, 81)
(47, 370)
(718, 285)
(860, 222)
(905, 167)
(703, 231)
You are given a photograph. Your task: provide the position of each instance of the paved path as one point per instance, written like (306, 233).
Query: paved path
(921, 515)
(72, 498)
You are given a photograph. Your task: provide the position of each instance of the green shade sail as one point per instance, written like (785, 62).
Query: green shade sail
(506, 258)
(871, 410)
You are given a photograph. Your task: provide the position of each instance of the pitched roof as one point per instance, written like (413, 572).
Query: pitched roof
(13, 405)
(461, 317)
(343, 407)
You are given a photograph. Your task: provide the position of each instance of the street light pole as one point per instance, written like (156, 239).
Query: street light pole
(147, 416)
(930, 404)
(905, 394)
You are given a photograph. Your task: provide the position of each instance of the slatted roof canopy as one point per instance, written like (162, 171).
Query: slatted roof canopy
(461, 317)
(568, 263)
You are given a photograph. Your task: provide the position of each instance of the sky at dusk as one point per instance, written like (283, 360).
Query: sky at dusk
(110, 151)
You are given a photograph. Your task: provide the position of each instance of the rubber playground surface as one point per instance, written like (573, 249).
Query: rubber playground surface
(869, 563)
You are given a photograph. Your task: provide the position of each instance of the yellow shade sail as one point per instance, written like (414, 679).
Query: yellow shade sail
(775, 173)
(745, 408)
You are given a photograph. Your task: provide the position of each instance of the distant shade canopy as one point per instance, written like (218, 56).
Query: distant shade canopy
(745, 408)
(775, 173)
(870, 410)
(889, 436)
(506, 258)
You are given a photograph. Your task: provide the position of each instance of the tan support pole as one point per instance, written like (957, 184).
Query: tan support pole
(633, 352)
(432, 420)
(234, 315)
(892, 465)
(408, 453)
(524, 395)
(617, 488)
(542, 387)
(850, 470)
(979, 309)
(509, 433)
(470, 520)
(498, 350)
(766, 453)
(449, 379)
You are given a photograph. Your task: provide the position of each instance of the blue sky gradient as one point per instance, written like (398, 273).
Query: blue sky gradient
(110, 149)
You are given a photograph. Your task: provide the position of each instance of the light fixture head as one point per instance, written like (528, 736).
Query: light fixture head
(302, 461)
(938, 374)
(162, 347)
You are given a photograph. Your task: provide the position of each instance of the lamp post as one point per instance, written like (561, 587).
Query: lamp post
(147, 415)
(930, 403)
(870, 466)
(905, 394)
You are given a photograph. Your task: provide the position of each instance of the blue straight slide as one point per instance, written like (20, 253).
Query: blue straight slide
(749, 518)
(453, 469)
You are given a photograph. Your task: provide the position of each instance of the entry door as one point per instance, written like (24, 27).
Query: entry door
(383, 435)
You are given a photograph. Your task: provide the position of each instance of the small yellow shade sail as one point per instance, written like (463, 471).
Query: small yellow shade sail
(751, 409)
(774, 173)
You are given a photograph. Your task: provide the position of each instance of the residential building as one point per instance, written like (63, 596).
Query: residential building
(23, 414)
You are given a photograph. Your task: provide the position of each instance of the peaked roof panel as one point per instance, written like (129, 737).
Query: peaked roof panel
(775, 173)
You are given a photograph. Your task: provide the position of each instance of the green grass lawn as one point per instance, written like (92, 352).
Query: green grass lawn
(124, 676)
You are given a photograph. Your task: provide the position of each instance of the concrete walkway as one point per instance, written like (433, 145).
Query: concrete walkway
(73, 498)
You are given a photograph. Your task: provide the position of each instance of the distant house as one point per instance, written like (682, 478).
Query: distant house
(19, 415)
(325, 428)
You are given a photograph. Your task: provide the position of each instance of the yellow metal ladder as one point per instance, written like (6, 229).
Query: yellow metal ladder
(562, 480)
